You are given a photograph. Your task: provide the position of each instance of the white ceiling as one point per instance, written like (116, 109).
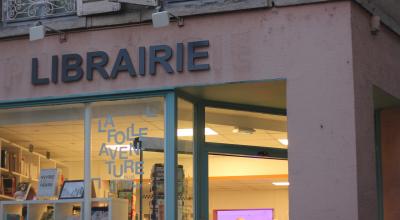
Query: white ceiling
(63, 136)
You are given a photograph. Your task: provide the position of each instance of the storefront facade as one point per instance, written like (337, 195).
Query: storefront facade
(154, 106)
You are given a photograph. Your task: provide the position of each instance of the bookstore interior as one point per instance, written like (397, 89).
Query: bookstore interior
(43, 157)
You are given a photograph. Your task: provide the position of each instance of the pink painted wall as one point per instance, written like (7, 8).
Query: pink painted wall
(309, 45)
(253, 45)
(390, 145)
(376, 63)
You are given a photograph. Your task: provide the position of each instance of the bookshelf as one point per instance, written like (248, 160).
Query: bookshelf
(63, 209)
(20, 165)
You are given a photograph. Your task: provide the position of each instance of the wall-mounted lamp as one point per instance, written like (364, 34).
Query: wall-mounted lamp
(162, 18)
(38, 32)
(375, 24)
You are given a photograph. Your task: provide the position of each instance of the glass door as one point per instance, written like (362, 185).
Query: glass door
(247, 165)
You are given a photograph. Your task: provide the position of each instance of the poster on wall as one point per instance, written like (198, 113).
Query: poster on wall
(48, 183)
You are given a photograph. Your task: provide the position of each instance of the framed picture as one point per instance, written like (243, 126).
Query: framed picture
(72, 189)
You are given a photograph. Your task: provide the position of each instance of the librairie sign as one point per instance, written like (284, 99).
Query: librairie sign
(147, 59)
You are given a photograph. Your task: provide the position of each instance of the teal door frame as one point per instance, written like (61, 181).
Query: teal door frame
(202, 149)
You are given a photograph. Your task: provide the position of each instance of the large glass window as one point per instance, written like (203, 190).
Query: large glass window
(246, 183)
(127, 160)
(185, 160)
(128, 155)
(38, 141)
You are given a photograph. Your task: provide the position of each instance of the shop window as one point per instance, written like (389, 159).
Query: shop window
(185, 161)
(40, 144)
(243, 185)
(128, 155)
(245, 180)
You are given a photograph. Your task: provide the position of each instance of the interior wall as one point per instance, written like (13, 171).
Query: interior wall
(251, 199)
(390, 154)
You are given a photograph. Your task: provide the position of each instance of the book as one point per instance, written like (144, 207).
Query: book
(129, 196)
(33, 171)
(4, 159)
(31, 194)
(9, 185)
(99, 213)
(22, 191)
(48, 182)
(13, 162)
(1, 185)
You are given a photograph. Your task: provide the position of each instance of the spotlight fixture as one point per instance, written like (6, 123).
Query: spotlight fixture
(162, 18)
(38, 32)
(375, 24)
(242, 130)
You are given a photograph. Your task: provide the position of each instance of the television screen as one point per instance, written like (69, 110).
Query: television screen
(244, 214)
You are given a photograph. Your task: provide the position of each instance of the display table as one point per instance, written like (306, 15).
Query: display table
(63, 209)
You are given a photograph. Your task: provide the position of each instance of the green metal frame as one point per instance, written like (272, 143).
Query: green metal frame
(170, 167)
(200, 164)
(231, 106)
(79, 98)
(201, 148)
(246, 150)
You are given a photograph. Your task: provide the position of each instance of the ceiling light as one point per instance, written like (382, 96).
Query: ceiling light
(187, 132)
(241, 130)
(284, 141)
(281, 183)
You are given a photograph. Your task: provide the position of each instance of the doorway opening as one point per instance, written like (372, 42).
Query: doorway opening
(240, 144)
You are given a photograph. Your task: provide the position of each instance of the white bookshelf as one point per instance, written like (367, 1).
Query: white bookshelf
(28, 165)
(117, 208)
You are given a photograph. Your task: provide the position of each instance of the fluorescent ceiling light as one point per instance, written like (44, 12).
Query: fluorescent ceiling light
(240, 130)
(284, 141)
(281, 183)
(187, 132)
